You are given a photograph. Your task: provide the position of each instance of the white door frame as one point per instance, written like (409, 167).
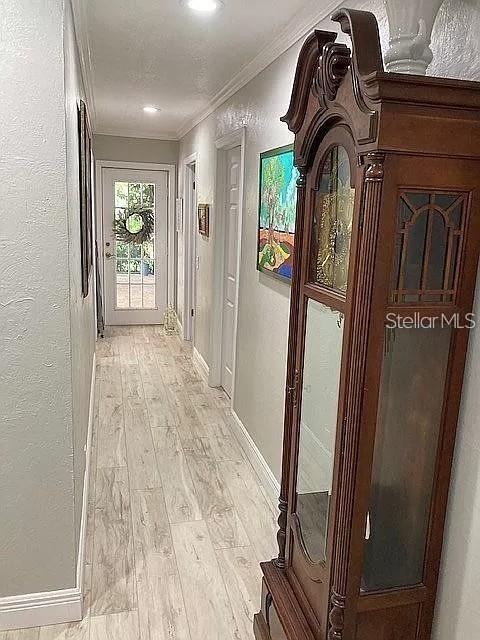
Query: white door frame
(189, 247)
(231, 140)
(100, 165)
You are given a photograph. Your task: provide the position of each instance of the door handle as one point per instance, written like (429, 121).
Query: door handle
(108, 254)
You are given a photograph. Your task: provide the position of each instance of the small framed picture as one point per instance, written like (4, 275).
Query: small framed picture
(204, 220)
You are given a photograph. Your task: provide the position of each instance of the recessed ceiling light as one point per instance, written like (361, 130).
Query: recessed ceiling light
(151, 109)
(207, 6)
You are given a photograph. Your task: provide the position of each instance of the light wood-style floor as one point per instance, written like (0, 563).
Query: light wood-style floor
(178, 520)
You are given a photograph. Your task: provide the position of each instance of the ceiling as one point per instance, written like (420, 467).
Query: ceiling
(161, 53)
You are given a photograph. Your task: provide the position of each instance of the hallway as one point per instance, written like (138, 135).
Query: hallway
(177, 520)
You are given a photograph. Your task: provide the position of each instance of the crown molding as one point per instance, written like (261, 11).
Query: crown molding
(80, 22)
(300, 25)
(121, 133)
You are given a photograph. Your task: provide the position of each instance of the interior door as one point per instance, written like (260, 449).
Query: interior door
(195, 260)
(230, 275)
(135, 275)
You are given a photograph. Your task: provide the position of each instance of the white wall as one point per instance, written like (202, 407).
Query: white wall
(118, 148)
(41, 442)
(82, 321)
(37, 542)
(458, 612)
(264, 302)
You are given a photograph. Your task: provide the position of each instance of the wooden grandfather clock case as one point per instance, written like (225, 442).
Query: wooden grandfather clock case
(387, 243)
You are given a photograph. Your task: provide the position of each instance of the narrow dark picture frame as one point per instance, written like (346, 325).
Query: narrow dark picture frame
(289, 148)
(204, 220)
(85, 188)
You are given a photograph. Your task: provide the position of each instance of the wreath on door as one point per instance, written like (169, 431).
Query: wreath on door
(134, 225)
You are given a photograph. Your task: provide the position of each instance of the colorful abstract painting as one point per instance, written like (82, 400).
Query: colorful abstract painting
(277, 209)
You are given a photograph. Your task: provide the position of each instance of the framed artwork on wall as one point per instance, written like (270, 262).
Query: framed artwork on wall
(204, 220)
(277, 212)
(85, 162)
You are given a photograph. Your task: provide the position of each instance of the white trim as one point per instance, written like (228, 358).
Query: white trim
(201, 365)
(39, 609)
(65, 605)
(189, 229)
(100, 165)
(99, 227)
(140, 166)
(236, 138)
(258, 462)
(179, 327)
(130, 133)
(86, 478)
(300, 25)
(232, 139)
(84, 53)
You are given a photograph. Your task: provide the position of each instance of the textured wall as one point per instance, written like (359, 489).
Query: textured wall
(82, 325)
(135, 149)
(36, 491)
(263, 309)
(455, 42)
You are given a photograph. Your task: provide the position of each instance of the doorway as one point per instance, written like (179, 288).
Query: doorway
(136, 273)
(227, 249)
(190, 248)
(229, 211)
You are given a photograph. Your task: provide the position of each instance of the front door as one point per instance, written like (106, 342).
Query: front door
(230, 275)
(135, 263)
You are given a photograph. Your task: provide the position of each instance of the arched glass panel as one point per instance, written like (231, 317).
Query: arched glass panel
(427, 247)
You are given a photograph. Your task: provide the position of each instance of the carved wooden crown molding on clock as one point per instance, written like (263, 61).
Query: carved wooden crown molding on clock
(332, 70)
(325, 70)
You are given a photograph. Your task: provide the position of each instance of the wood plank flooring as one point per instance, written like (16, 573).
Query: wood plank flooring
(177, 519)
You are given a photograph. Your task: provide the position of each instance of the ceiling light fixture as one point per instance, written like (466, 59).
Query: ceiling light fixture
(207, 6)
(151, 109)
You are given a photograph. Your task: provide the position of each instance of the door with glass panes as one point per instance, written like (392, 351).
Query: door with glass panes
(135, 246)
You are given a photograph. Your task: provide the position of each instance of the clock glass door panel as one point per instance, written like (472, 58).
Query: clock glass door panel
(318, 420)
(406, 444)
(320, 363)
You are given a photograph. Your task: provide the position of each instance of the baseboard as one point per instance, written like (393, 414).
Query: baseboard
(258, 462)
(201, 365)
(39, 609)
(64, 605)
(86, 478)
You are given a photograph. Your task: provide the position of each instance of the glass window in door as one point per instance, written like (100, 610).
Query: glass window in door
(135, 268)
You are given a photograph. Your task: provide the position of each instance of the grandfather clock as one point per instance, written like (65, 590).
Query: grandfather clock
(387, 238)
